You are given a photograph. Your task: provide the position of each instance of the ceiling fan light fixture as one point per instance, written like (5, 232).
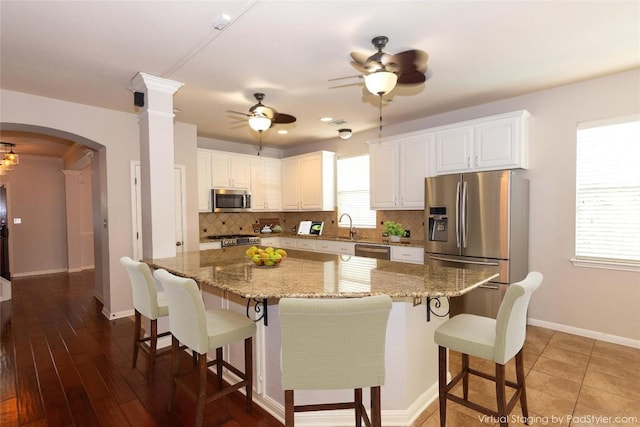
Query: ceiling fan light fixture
(344, 133)
(259, 123)
(381, 82)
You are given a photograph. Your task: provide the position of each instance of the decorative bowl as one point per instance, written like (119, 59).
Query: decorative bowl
(265, 257)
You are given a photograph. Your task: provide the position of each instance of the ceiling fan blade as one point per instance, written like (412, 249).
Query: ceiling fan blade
(283, 118)
(238, 112)
(409, 78)
(406, 62)
(360, 58)
(359, 76)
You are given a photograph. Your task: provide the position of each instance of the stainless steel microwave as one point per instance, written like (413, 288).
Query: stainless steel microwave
(226, 200)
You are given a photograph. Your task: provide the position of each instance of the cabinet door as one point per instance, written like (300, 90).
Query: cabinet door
(413, 170)
(220, 174)
(290, 185)
(204, 181)
(310, 172)
(407, 254)
(497, 144)
(383, 173)
(258, 186)
(273, 184)
(239, 172)
(454, 150)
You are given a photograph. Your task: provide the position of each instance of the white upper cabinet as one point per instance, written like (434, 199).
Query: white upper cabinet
(398, 167)
(308, 182)
(230, 170)
(266, 184)
(490, 143)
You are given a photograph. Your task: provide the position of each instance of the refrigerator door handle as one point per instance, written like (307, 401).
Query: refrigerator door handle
(463, 213)
(458, 215)
(462, 261)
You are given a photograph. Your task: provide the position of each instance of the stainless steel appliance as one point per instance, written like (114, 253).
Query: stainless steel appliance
(236, 239)
(372, 251)
(226, 200)
(479, 220)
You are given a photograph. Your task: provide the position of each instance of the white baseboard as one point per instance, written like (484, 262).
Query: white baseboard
(117, 315)
(39, 273)
(614, 339)
(5, 289)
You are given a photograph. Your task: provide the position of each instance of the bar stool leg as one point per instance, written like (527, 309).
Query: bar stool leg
(500, 395)
(376, 410)
(465, 379)
(153, 345)
(357, 394)
(137, 331)
(175, 348)
(521, 386)
(248, 371)
(288, 408)
(442, 384)
(202, 389)
(219, 366)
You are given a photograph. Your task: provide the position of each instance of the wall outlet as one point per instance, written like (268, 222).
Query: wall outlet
(17, 220)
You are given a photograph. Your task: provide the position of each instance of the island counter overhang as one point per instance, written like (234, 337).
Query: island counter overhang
(229, 280)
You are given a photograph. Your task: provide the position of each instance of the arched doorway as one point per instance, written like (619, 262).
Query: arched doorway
(95, 153)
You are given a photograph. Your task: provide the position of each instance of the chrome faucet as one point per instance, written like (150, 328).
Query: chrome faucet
(352, 231)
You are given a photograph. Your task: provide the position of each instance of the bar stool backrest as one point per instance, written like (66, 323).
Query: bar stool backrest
(143, 288)
(187, 318)
(333, 343)
(511, 321)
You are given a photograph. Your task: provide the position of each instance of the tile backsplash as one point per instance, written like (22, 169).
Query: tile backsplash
(244, 222)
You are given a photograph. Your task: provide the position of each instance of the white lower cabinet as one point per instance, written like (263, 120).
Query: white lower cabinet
(335, 247)
(414, 255)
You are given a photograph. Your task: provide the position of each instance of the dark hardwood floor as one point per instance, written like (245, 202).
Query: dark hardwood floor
(62, 363)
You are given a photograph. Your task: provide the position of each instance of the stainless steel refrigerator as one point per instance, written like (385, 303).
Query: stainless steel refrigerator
(479, 220)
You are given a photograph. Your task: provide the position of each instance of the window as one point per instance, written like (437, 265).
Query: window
(353, 192)
(608, 193)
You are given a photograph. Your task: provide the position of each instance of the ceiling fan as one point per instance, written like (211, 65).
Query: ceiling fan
(383, 71)
(262, 117)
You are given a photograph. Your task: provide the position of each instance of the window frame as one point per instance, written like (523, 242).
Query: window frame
(367, 226)
(594, 261)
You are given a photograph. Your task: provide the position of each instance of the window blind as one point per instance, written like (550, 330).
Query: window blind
(353, 192)
(608, 191)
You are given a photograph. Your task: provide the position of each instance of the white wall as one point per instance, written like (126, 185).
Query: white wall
(36, 195)
(118, 132)
(582, 300)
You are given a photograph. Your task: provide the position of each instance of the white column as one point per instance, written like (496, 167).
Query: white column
(72, 196)
(156, 165)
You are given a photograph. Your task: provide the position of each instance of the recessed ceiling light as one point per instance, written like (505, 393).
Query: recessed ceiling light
(283, 132)
(326, 119)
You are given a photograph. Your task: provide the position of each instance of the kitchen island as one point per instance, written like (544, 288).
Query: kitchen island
(229, 280)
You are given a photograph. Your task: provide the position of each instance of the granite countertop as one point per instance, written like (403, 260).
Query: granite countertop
(373, 240)
(313, 275)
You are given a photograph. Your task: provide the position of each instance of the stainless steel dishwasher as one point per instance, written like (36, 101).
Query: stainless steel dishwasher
(373, 251)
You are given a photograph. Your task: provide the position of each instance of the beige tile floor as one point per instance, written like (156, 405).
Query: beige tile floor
(571, 381)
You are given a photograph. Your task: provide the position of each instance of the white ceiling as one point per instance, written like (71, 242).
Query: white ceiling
(479, 51)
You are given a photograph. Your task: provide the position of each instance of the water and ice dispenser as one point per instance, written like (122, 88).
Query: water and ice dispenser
(438, 223)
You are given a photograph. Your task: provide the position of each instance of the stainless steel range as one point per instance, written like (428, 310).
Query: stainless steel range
(236, 239)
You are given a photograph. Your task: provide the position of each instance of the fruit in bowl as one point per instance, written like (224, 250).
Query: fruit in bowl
(265, 257)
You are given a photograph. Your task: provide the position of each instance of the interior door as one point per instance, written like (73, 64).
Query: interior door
(179, 205)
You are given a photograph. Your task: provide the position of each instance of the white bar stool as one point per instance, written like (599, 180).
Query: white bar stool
(334, 344)
(203, 330)
(498, 340)
(150, 303)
